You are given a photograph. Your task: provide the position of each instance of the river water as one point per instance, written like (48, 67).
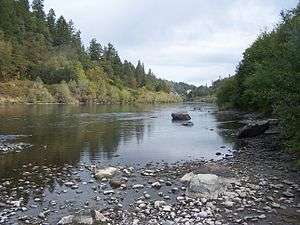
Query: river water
(59, 134)
(43, 147)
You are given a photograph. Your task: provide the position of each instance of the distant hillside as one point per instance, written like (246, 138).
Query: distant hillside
(46, 53)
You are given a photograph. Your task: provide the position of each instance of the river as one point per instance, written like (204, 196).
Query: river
(45, 146)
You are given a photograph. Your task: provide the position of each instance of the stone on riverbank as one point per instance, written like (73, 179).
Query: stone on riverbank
(94, 217)
(66, 220)
(187, 177)
(253, 129)
(206, 185)
(180, 116)
(106, 173)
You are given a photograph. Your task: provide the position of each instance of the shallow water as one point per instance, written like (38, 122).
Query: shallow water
(49, 145)
(59, 134)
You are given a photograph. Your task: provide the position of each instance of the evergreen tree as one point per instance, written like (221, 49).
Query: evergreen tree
(51, 19)
(38, 9)
(62, 33)
(8, 17)
(140, 74)
(95, 50)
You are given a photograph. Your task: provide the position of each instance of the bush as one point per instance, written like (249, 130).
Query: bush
(39, 94)
(63, 94)
(226, 93)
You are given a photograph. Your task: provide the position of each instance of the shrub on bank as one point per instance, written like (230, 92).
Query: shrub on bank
(62, 93)
(38, 93)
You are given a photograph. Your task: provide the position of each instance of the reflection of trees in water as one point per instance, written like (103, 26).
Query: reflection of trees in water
(66, 131)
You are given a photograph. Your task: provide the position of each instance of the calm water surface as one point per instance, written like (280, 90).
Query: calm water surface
(55, 144)
(60, 134)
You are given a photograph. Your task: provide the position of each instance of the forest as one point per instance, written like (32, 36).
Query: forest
(43, 60)
(267, 79)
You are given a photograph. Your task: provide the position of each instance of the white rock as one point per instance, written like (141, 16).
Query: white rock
(69, 184)
(66, 220)
(202, 214)
(100, 217)
(16, 203)
(142, 205)
(275, 205)
(262, 216)
(84, 220)
(108, 192)
(137, 186)
(180, 198)
(106, 173)
(209, 186)
(167, 208)
(135, 222)
(228, 204)
(158, 204)
(187, 177)
(156, 185)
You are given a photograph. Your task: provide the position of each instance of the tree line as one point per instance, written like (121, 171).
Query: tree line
(268, 77)
(47, 50)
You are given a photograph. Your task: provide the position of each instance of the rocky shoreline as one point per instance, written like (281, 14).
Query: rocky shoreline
(265, 190)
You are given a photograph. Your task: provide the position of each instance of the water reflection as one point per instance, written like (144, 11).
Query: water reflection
(71, 134)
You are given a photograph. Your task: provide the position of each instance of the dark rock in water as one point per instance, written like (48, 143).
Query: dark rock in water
(188, 124)
(180, 116)
(218, 153)
(253, 129)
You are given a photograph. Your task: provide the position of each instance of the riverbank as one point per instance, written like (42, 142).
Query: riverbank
(26, 91)
(265, 190)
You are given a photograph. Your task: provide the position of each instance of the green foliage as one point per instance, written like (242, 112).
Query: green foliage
(226, 92)
(35, 45)
(95, 50)
(39, 94)
(268, 77)
(62, 93)
(199, 92)
(6, 59)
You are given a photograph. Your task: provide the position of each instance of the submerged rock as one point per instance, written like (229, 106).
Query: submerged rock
(253, 129)
(180, 116)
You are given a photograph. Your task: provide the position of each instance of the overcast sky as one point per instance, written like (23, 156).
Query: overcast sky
(194, 41)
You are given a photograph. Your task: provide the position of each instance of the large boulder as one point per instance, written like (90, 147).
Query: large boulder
(187, 177)
(180, 116)
(93, 217)
(209, 186)
(106, 172)
(253, 129)
(66, 220)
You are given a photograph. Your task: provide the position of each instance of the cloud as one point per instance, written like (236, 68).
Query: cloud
(195, 41)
